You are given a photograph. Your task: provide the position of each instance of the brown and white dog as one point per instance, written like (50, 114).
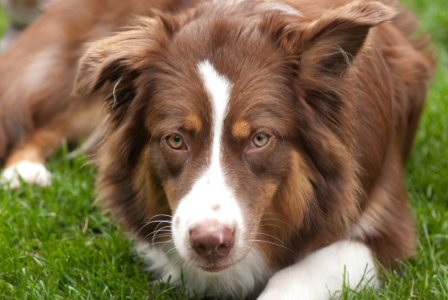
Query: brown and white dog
(256, 145)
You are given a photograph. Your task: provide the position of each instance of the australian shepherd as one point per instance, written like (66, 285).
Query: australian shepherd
(256, 146)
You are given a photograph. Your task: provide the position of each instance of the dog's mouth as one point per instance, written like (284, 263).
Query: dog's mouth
(212, 264)
(216, 264)
(214, 269)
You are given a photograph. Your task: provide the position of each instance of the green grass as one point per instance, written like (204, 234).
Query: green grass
(55, 244)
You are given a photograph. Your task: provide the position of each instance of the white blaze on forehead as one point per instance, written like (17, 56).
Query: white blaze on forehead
(218, 88)
(210, 196)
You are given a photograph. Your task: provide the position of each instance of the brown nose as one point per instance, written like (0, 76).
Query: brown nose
(212, 238)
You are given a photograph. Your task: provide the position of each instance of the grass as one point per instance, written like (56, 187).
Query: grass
(55, 244)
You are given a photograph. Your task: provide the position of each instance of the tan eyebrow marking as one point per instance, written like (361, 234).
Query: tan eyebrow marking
(241, 129)
(192, 123)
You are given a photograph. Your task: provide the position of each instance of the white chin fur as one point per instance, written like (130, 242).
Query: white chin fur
(245, 278)
(30, 173)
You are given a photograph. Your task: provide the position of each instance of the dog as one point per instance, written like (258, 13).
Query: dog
(256, 147)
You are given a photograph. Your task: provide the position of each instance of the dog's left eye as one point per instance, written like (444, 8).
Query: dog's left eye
(260, 140)
(175, 141)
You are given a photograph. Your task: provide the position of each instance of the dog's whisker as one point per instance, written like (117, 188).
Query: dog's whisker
(262, 220)
(173, 249)
(272, 243)
(164, 228)
(151, 222)
(157, 221)
(269, 236)
(281, 221)
(158, 243)
(154, 233)
(271, 225)
(158, 236)
(161, 236)
(177, 259)
(152, 236)
(160, 215)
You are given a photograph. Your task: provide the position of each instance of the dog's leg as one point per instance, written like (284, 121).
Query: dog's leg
(28, 159)
(320, 274)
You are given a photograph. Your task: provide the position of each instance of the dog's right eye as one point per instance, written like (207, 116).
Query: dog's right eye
(175, 141)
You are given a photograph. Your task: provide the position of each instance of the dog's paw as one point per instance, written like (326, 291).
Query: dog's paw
(30, 172)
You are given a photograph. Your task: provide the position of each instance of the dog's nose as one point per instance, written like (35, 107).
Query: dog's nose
(212, 238)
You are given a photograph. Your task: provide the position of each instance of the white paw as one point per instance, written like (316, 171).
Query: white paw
(30, 173)
(320, 275)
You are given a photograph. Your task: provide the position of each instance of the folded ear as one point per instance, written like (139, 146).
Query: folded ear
(116, 61)
(328, 45)
(319, 52)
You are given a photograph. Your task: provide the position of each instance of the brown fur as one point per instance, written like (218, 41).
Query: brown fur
(340, 91)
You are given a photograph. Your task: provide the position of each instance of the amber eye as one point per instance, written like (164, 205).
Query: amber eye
(260, 140)
(175, 141)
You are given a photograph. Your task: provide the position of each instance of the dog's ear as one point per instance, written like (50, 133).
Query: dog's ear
(327, 46)
(319, 54)
(113, 63)
(330, 44)
(111, 67)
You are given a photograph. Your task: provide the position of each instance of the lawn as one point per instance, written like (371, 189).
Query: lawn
(55, 244)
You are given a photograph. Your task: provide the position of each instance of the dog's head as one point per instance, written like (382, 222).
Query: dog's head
(228, 130)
